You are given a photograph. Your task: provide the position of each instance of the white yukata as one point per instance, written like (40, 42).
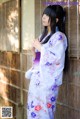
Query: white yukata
(47, 74)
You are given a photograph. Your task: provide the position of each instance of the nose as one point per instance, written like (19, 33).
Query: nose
(43, 17)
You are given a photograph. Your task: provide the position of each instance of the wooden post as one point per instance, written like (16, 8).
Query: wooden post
(19, 112)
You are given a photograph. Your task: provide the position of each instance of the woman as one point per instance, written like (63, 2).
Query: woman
(48, 65)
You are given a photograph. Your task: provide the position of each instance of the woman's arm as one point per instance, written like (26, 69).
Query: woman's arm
(54, 51)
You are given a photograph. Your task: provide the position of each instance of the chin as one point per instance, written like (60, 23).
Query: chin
(44, 25)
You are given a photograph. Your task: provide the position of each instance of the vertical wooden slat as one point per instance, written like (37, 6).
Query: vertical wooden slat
(78, 40)
(40, 16)
(37, 17)
(69, 25)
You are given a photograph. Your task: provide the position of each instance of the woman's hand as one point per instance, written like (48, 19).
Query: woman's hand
(33, 52)
(37, 44)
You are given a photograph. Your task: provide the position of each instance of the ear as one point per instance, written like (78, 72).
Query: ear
(57, 20)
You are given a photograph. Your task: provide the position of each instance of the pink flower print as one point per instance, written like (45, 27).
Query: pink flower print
(57, 63)
(38, 108)
(49, 105)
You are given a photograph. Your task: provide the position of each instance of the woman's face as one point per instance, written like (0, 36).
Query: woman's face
(45, 20)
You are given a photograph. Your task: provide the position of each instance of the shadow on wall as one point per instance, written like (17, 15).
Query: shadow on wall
(3, 88)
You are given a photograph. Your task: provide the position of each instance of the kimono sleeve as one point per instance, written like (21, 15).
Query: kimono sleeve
(53, 50)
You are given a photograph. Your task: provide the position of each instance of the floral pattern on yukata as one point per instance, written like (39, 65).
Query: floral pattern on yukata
(46, 78)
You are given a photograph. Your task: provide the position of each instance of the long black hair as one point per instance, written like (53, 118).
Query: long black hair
(52, 17)
(61, 15)
(56, 11)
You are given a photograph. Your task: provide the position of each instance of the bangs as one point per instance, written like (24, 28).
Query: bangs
(49, 11)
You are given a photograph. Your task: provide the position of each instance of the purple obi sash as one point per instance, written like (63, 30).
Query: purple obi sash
(37, 59)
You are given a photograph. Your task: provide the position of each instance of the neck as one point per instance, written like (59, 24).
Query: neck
(49, 29)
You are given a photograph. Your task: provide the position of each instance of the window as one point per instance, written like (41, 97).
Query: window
(9, 25)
